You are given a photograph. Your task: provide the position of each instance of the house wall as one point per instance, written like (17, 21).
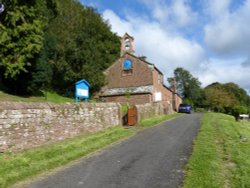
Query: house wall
(27, 125)
(159, 87)
(141, 76)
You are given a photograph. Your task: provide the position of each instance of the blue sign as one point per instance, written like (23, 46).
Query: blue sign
(82, 90)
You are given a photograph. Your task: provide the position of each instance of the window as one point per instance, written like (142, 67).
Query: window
(127, 72)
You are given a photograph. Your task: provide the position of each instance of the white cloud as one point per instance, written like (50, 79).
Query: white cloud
(229, 34)
(184, 15)
(224, 71)
(118, 25)
(216, 8)
(178, 14)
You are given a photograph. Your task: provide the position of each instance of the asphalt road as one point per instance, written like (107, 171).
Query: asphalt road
(154, 158)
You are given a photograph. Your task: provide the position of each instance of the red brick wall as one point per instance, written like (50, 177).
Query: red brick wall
(141, 75)
(159, 87)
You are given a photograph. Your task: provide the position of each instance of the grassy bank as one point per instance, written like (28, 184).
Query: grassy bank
(19, 166)
(221, 154)
(51, 97)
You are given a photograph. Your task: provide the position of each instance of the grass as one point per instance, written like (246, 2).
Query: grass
(15, 167)
(220, 158)
(51, 97)
(157, 119)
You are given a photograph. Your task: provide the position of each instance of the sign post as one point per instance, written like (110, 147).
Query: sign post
(82, 90)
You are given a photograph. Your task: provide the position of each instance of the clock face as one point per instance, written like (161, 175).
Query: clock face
(127, 64)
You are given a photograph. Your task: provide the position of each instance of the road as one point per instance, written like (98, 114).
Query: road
(154, 158)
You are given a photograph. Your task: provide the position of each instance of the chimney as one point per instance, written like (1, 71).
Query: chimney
(143, 58)
(172, 82)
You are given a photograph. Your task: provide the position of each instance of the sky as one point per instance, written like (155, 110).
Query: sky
(209, 38)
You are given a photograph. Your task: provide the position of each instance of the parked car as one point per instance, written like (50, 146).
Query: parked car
(185, 108)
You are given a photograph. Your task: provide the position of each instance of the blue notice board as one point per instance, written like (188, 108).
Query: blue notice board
(82, 90)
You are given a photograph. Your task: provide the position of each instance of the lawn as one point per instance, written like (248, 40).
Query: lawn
(220, 157)
(51, 97)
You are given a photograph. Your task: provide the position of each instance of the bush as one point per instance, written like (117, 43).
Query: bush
(237, 110)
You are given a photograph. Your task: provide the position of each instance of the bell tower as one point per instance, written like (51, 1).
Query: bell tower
(127, 44)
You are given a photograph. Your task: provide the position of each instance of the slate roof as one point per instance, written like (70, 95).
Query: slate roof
(131, 90)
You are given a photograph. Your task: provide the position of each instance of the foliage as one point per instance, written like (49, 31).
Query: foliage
(52, 44)
(188, 87)
(21, 35)
(237, 110)
(85, 46)
(220, 156)
(226, 98)
(217, 97)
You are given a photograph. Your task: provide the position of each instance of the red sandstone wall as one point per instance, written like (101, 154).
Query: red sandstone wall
(132, 99)
(141, 75)
(26, 125)
(149, 110)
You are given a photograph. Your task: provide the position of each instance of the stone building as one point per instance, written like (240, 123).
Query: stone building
(134, 80)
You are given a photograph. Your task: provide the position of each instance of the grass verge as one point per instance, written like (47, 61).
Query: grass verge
(220, 157)
(15, 167)
(157, 119)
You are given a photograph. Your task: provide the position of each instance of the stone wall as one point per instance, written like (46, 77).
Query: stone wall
(149, 110)
(133, 99)
(27, 125)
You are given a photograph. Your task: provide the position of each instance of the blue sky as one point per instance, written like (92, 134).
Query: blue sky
(210, 38)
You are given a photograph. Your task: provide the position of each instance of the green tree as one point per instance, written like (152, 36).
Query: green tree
(85, 46)
(227, 98)
(21, 36)
(189, 87)
(219, 99)
(51, 44)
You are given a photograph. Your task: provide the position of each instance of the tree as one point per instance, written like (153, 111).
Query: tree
(227, 98)
(188, 87)
(85, 47)
(21, 35)
(51, 44)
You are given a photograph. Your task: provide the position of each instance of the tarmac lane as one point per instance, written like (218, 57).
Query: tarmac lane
(154, 158)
